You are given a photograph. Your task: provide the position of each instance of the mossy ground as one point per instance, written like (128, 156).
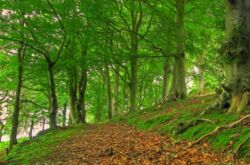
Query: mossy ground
(166, 120)
(40, 147)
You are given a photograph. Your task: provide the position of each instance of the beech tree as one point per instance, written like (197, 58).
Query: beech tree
(236, 50)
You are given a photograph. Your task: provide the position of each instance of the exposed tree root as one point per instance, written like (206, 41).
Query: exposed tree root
(160, 105)
(239, 103)
(221, 102)
(207, 120)
(244, 102)
(181, 127)
(236, 103)
(220, 128)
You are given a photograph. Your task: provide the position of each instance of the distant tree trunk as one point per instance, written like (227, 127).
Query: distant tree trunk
(15, 116)
(81, 100)
(166, 72)
(64, 113)
(133, 61)
(116, 92)
(202, 73)
(98, 113)
(43, 124)
(1, 130)
(109, 92)
(179, 85)
(72, 95)
(124, 95)
(237, 51)
(53, 97)
(141, 92)
(31, 129)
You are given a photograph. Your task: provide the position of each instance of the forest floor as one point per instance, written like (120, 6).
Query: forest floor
(121, 144)
(150, 136)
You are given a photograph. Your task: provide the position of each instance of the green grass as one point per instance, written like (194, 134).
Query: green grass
(3, 145)
(166, 120)
(40, 147)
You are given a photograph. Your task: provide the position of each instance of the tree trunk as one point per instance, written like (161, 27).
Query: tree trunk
(141, 92)
(133, 84)
(133, 61)
(82, 85)
(179, 84)
(31, 129)
(1, 130)
(202, 73)
(166, 72)
(43, 124)
(15, 116)
(116, 92)
(98, 113)
(237, 51)
(81, 111)
(64, 113)
(137, 18)
(109, 93)
(72, 96)
(124, 95)
(53, 97)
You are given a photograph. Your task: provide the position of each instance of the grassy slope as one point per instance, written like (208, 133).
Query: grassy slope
(166, 121)
(3, 145)
(40, 147)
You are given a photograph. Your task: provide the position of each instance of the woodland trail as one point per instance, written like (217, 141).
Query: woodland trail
(121, 144)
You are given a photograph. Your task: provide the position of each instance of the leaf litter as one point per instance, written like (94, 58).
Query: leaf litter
(120, 144)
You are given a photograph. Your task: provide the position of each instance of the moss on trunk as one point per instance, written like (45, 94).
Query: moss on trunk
(236, 51)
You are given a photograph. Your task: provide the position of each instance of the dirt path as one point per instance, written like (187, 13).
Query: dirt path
(121, 144)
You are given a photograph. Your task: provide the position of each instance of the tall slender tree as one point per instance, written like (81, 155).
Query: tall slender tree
(15, 117)
(179, 85)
